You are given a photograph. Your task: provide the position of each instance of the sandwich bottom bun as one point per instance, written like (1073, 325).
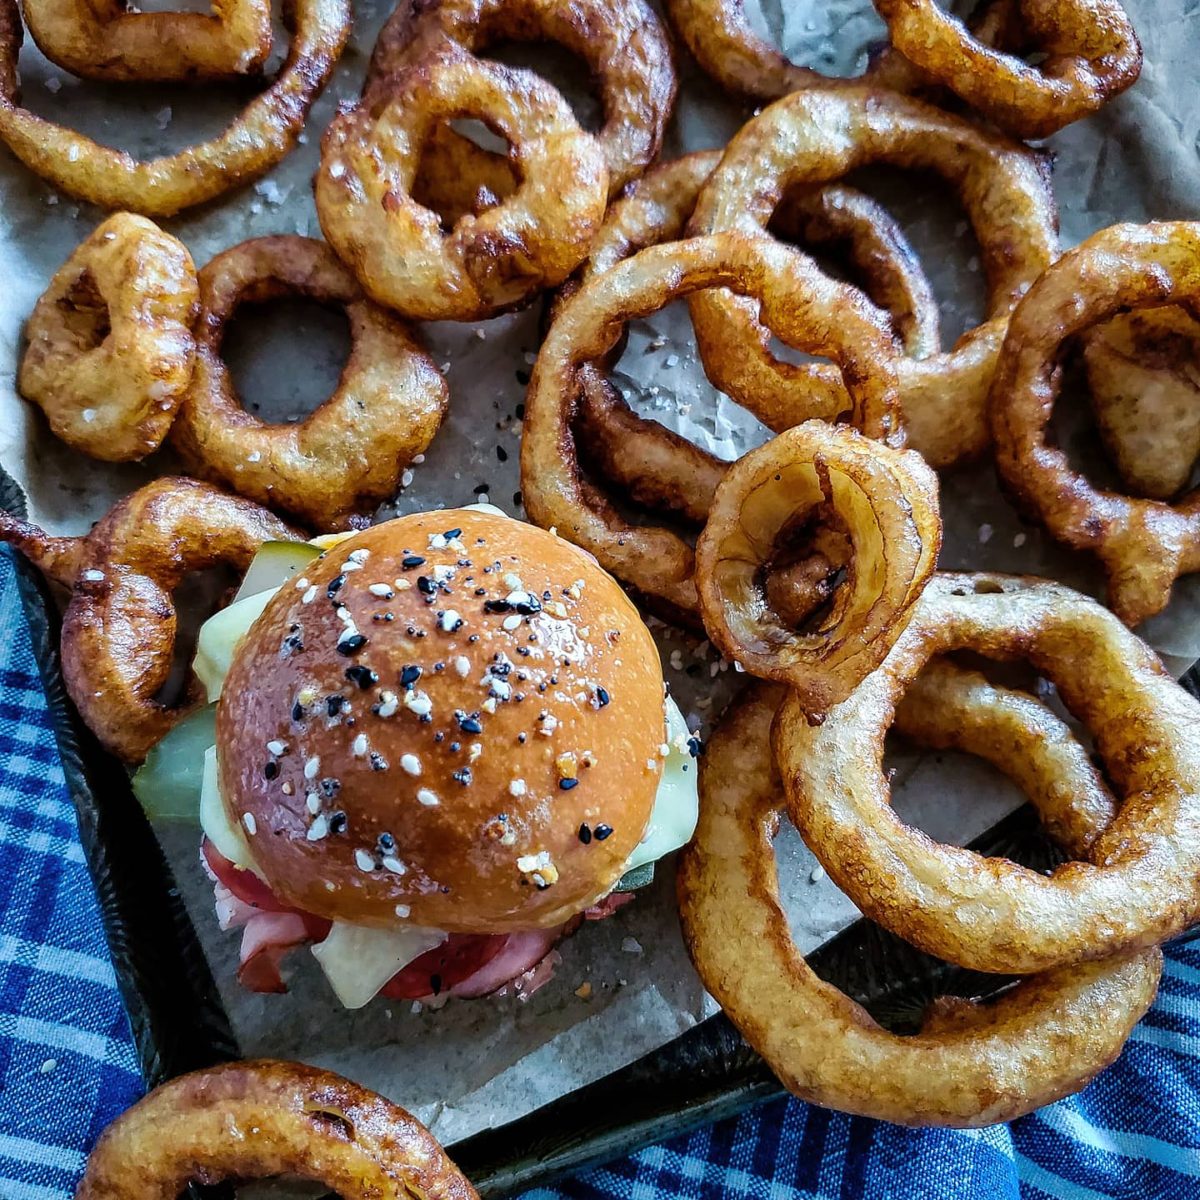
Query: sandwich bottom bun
(451, 720)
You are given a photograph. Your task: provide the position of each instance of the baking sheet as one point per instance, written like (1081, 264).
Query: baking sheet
(470, 1066)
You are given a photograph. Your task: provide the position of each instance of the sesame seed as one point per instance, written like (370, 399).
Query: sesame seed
(451, 622)
(409, 676)
(277, 748)
(428, 798)
(92, 576)
(382, 590)
(510, 623)
(351, 642)
(388, 703)
(419, 703)
(318, 829)
(310, 595)
(335, 585)
(313, 803)
(363, 676)
(301, 583)
(393, 864)
(312, 767)
(410, 764)
(568, 784)
(469, 724)
(585, 834)
(602, 832)
(270, 769)
(462, 665)
(250, 823)
(359, 556)
(411, 561)
(359, 746)
(402, 910)
(365, 860)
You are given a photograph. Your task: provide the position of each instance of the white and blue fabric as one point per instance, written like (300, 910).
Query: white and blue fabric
(67, 1065)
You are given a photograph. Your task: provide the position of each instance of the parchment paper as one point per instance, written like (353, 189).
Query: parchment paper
(473, 1065)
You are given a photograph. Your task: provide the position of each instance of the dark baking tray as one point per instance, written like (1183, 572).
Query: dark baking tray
(179, 1024)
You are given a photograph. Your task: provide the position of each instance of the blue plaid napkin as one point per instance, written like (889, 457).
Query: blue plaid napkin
(67, 1065)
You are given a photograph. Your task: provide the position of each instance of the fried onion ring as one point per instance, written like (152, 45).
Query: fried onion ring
(258, 1119)
(1141, 883)
(886, 499)
(797, 299)
(816, 137)
(347, 456)
(623, 43)
(110, 347)
(260, 137)
(1144, 545)
(656, 466)
(118, 633)
(104, 39)
(1089, 53)
(1143, 373)
(970, 1065)
(486, 264)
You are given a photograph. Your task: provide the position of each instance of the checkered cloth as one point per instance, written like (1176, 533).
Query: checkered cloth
(67, 1064)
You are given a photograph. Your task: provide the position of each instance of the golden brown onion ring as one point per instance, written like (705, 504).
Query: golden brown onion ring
(346, 457)
(1088, 52)
(1143, 373)
(658, 468)
(1141, 883)
(623, 43)
(970, 1064)
(110, 346)
(887, 501)
(1144, 545)
(104, 39)
(485, 264)
(118, 633)
(816, 137)
(798, 300)
(258, 1119)
(259, 137)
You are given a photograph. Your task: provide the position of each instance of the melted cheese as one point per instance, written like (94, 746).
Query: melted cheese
(677, 804)
(358, 961)
(230, 839)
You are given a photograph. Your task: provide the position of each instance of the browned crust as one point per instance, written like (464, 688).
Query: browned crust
(814, 138)
(1140, 884)
(970, 1065)
(258, 1119)
(118, 633)
(259, 137)
(346, 457)
(1144, 545)
(110, 347)
(623, 43)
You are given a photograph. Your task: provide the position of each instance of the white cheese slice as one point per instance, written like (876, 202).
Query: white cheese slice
(358, 961)
(677, 805)
(229, 839)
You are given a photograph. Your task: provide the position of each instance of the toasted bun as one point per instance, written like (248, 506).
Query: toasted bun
(440, 799)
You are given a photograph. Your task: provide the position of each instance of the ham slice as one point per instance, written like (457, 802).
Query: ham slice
(465, 965)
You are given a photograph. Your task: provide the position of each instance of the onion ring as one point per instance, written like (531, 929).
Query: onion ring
(886, 499)
(970, 1065)
(103, 39)
(258, 1119)
(623, 43)
(1144, 545)
(486, 264)
(725, 45)
(347, 456)
(260, 137)
(1090, 54)
(656, 466)
(826, 317)
(118, 633)
(110, 347)
(816, 137)
(1143, 373)
(1141, 883)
